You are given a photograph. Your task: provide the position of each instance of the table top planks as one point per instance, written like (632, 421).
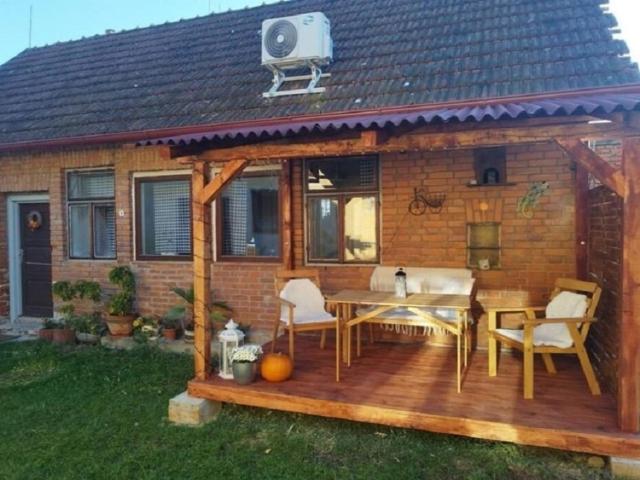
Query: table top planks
(418, 300)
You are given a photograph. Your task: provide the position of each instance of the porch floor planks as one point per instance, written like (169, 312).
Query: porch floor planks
(415, 386)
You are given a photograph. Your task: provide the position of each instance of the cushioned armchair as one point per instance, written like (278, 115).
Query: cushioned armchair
(302, 306)
(562, 330)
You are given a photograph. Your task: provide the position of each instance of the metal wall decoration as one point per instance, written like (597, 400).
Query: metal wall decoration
(34, 220)
(528, 202)
(423, 200)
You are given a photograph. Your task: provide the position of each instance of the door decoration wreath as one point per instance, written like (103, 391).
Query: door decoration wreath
(34, 220)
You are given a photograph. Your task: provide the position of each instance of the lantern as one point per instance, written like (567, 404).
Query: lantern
(401, 284)
(230, 338)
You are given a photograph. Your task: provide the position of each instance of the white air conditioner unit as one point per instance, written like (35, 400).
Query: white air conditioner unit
(298, 41)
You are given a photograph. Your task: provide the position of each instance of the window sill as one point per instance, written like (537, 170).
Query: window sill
(490, 185)
(342, 265)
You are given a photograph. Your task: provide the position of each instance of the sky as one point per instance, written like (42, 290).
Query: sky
(60, 20)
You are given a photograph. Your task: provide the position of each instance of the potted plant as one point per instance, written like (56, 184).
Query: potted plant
(244, 363)
(145, 329)
(87, 327)
(169, 328)
(120, 307)
(63, 331)
(46, 332)
(218, 311)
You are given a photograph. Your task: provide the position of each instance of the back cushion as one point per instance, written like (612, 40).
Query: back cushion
(304, 294)
(563, 305)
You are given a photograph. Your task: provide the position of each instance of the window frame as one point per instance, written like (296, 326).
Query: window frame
(137, 181)
(220, 257)
(342, 196)
(91, 203)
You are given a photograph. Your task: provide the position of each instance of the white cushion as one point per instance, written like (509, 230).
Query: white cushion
(563, 305)
(424, 280)
(308, 301)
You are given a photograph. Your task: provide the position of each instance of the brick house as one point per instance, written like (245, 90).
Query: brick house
(99, 136)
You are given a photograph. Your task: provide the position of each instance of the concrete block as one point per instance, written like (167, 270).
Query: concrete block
(187, 410)
(625, 468)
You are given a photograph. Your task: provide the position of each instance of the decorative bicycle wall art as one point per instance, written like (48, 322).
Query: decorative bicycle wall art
(423, 200)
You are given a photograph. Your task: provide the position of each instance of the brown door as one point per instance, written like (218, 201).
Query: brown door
(35, 246)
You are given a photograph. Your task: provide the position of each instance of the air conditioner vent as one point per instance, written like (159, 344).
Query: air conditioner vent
(281, 38)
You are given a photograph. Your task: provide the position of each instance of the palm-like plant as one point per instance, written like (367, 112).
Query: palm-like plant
(183, 312)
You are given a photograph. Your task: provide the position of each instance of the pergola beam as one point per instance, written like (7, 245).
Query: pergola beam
(423, 139)
(593, 163)
(228, 173)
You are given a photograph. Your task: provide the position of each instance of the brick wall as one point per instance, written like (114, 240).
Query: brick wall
(605, 254)
(535, 251)
(248, 289)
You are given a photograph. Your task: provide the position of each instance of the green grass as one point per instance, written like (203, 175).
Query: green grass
(93, 413)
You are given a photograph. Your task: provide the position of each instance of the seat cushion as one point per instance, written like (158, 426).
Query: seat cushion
(563, 305)
(308, 301)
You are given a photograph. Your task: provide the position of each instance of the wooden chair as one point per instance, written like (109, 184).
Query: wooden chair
(531, 340)
(301, 306)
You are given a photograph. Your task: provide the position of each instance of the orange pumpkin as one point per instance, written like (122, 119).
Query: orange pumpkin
(276, 367)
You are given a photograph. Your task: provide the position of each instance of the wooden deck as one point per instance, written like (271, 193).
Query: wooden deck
(414, 386)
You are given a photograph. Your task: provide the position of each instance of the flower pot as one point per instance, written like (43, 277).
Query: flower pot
(244, 373)
(188, 336)
(169, 333)
(64, 335)
(45, 334)
(120, 326)
(90, 338)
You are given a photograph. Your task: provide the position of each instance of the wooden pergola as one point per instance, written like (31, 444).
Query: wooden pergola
(568, 132)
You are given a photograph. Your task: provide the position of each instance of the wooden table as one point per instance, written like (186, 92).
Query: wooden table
(347, 300)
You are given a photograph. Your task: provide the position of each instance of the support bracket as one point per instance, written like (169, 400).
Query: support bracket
(280, 78)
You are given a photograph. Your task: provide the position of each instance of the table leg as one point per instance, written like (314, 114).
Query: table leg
(466, 338)
(358, 330)
(338, 328)
(458, 363)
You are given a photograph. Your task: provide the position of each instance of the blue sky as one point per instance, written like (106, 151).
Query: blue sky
(59, 20)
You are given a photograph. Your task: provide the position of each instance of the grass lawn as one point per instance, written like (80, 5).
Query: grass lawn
(87, 412)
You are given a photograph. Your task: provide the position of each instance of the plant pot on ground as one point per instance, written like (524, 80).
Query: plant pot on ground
(63, 334)
(169, 328)
(46, 332)
(87, 326)
(120, 315)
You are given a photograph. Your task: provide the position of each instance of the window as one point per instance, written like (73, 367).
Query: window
(91, 214)
(249, 217)
(342, 210)
(490, 166)
(483, 245)
(163, 218)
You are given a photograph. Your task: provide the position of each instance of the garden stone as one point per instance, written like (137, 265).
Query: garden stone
(187, 410)
(625, 468)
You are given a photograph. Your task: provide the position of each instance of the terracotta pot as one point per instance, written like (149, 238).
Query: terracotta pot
(45, 334)
(120, 326)
(64, 335)
(169, 333)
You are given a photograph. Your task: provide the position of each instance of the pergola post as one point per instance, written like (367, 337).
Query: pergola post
(201, 218)
(287, 204)
(203, 193)
(629, 353)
